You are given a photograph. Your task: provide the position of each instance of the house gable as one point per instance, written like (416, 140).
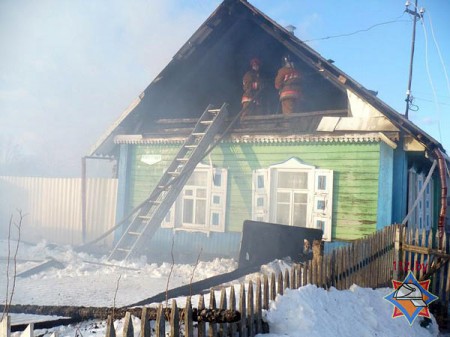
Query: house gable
(208, 70)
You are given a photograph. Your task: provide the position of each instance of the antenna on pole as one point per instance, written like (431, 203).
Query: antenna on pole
(416, 16)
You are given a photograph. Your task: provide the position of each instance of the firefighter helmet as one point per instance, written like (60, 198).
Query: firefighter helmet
(255, 61)
(286, 60)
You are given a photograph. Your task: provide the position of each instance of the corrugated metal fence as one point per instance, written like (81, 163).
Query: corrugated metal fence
(53, 208)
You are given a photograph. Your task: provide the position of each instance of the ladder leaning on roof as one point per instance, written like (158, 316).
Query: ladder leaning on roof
(149, 215)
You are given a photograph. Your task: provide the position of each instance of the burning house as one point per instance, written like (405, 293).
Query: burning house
(191, 171)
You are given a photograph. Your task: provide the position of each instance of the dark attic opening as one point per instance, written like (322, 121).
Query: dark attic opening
(209, 69)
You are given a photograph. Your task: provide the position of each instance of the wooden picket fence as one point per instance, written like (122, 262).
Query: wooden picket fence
(419, 253)
(366, 262)
(369, 262)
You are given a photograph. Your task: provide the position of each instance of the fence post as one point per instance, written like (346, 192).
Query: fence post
(333, 269)
(188, 325)
(397, 252)
(110, 331)
(340, 267)
(313, 271)
(128, 330)
(266, 292)
(258, 306)
(29, 331)
(250, 310)
(5, 326)
(292, 277)
(347, 266)
(201, 327)
(145, 324)
(174, 320)
(160, 325)
(233, 307)
(317, 248)
(305, 274)
(243, 310)
(280, 284)
(273, 287)
(423, 243)
(212, 330)
(326, 271)
(223, 327)
(287, 283)
(298, 276)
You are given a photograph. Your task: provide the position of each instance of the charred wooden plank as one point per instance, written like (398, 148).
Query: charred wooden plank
(50, 263)
(78, 314)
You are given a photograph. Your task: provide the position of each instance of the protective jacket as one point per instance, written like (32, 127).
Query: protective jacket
(287, 82)
(251, 84)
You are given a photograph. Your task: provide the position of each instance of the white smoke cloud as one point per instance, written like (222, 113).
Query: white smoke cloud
(69, 68)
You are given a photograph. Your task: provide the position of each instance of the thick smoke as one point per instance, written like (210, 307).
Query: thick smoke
(69, 68)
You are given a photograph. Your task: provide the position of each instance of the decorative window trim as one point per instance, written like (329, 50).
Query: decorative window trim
(216, 198)
(319, 194)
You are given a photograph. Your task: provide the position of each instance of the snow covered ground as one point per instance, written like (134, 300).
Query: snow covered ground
(86, 280)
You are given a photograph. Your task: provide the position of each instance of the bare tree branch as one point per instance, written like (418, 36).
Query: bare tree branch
(193, 271)
(115, 294)
(10, 294)
(5, 310)
(171, 269)
(19, 227)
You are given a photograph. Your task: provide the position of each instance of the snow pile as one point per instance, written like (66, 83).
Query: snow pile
(92, 281)
(86, 280)
(363, 312)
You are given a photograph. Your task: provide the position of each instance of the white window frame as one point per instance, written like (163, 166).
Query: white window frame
(319, 191)
(216, 198)
(260, 195)
(184, 197)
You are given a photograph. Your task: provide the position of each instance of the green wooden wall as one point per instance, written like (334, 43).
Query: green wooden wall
(356, 169)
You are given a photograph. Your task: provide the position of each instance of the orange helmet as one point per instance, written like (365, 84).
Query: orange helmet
(256, 61)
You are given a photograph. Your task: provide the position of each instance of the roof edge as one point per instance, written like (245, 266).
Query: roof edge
(307, 138)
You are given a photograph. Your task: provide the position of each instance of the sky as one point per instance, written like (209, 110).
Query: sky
(68, 69)
(299, 312)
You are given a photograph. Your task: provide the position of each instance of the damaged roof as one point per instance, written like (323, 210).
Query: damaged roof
(208, 70)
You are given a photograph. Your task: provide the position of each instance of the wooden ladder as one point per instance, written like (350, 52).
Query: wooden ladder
(148, 217)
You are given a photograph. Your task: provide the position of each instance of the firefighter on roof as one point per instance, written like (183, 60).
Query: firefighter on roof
(287, 82)
(252, 85)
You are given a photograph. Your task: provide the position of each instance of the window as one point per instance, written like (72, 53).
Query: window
(320, 224)
(201, 204)
(194, 204)
(294, 194)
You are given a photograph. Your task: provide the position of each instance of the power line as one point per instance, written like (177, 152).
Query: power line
(439, 53)
(426, 93)
(427, 66)
(430, 100)
(359, 31)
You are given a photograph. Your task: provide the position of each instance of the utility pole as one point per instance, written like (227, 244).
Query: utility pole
(416, 16)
